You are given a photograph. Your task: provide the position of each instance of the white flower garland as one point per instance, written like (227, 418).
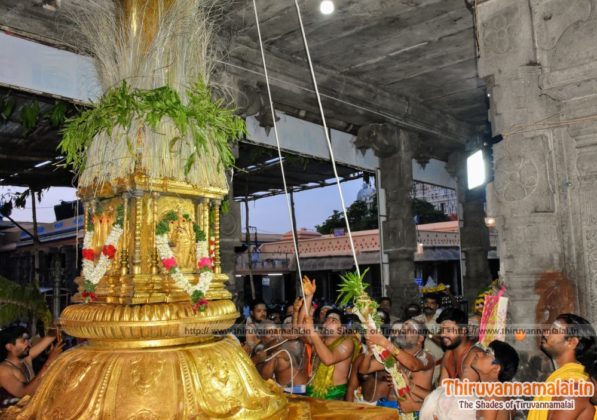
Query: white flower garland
(169, 261)
(93, 273)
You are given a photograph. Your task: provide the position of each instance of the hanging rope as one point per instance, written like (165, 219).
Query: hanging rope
(288, 205)
(327, 137)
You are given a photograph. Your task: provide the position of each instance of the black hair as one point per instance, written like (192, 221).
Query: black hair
(316, 313)
(434, 297)
(343, 318)
(507, 358)
(381, 299)
(453, 314)
(9, 336)
(386, 316)
(256, 302)
(592, 367)
(353, 323)
(583, 330)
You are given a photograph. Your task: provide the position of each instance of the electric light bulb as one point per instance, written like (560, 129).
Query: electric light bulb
(327, 7)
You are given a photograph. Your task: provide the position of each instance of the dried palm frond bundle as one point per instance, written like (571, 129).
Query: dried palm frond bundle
(159, 114)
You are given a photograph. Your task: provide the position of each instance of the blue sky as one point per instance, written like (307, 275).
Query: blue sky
(312, 207)
(269, 215)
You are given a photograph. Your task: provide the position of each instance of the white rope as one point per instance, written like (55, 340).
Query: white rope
(288, 205)
(291, 367)
(327, 137)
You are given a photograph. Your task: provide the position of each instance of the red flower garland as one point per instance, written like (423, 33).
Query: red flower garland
(89, 296)
(88, 254)
(169, 263)
(109, 251)
(201, 305)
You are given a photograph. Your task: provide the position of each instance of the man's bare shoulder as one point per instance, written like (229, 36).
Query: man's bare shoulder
(4, 369)
(7, 372)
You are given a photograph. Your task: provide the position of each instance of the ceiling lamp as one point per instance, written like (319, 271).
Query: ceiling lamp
(326, 7)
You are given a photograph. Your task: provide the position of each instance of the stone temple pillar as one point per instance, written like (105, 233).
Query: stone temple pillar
(394, 146)
(230, 233)
(539, 61)
(474, 235)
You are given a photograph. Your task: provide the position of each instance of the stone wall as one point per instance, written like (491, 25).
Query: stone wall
(540, 63)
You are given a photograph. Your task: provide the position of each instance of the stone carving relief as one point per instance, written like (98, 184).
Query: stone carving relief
(590, 253)
(518, 178)
(500, 31)
(553, 17)
(230, 227)
(585, 138)
(524, 174)
(576, 46)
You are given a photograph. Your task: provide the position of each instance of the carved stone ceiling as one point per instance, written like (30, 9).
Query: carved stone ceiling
(408, 62)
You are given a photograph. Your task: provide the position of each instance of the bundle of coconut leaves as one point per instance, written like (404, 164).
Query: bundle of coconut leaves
(353, 288)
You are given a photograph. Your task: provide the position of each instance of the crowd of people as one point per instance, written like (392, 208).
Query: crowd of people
(324, 352)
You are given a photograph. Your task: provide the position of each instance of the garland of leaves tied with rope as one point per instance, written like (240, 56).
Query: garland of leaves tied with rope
(207, 121)
(93, 273)
(204, 262)
(353, 288)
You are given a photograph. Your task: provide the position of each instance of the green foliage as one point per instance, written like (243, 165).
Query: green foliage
(196, 296)
(363, 217)
(30, 114)
(18, 200)
(119, 219)
(57, 114)
(352, 287)
(7, 106)
(360, 216)
(88, 286)
(199, 234)
(205, 120)
(225, 207)
(163, 226)
(19, 302)
(427, 213)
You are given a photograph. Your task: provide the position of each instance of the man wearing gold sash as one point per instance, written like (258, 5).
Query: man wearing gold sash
(334, 348)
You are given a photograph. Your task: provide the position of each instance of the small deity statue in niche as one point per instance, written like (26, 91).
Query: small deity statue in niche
(182, 242)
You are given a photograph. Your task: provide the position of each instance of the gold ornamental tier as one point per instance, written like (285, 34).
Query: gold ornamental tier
(152, 184)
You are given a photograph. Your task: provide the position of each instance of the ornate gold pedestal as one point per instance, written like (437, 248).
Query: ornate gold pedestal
(210, 380)
(149, 355)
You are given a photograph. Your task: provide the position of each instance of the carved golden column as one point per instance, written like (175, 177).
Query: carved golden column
(216, 209)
